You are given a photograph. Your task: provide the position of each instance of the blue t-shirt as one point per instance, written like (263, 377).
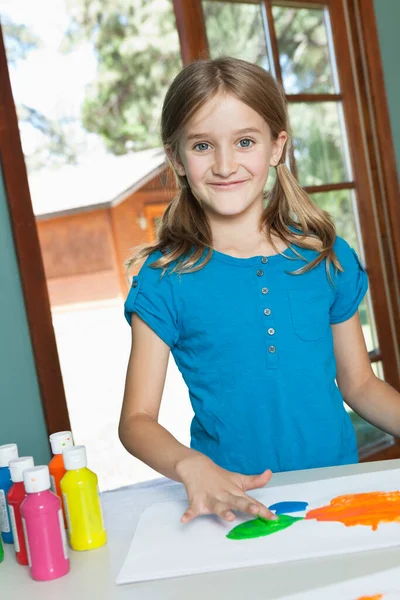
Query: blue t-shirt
(254, 345)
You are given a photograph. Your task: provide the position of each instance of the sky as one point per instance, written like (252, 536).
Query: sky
(48, 80)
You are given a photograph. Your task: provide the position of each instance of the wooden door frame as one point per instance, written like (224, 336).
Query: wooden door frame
(191, 29)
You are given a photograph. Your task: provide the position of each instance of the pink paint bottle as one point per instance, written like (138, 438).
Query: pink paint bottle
(43, 526)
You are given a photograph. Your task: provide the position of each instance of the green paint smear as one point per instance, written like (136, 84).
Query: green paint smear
(260, 527)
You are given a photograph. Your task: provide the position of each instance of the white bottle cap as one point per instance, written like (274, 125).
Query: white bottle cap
(8, 452)
(60, 440)
(37, 479)
(18, 466)
(75, 458)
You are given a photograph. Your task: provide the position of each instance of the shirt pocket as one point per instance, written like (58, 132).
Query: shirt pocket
(310, 314)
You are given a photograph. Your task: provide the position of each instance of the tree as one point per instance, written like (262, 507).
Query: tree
(236, 30)
(138, 55)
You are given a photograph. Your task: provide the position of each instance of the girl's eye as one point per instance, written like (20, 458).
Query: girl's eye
(246, 143)
(201, 146)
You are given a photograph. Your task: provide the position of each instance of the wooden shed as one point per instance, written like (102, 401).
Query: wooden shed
(89, 216)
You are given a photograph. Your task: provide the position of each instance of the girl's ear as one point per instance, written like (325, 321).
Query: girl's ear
(175, 160)
(277, 148)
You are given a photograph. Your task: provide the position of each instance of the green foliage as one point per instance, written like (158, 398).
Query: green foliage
(317, 139)
(235, 30)
(138, 55)
(339, 205)
(304, 51)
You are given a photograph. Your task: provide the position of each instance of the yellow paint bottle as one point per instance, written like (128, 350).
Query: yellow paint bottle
(81, 499)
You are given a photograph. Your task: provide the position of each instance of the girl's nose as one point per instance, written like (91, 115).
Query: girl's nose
(224, 164)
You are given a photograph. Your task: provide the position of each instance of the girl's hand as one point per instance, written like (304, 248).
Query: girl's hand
(213, 490)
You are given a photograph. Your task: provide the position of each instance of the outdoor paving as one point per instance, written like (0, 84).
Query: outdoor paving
(93, 343)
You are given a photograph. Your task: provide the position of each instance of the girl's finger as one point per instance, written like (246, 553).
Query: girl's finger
(188, 515)
(194, 510)
(253, 507)
(223, 511)
(251, 482)
(244, 504)
(264, 512)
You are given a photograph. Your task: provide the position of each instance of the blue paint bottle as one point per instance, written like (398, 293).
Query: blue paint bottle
(7, 452)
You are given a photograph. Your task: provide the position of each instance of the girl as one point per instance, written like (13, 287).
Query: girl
(257, 305)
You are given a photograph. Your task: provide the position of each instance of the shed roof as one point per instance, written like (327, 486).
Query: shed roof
(95, 183)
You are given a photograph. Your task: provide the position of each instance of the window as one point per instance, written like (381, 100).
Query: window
(298, 43)
(153, 214)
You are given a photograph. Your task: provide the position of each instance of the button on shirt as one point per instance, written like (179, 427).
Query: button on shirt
(255, 348)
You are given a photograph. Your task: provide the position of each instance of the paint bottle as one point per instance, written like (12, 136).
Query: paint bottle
(82, 502)
(43, 526)
(7, 452)
(59, 441)
(15, 496)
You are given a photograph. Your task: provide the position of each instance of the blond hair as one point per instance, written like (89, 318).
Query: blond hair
(184, 233)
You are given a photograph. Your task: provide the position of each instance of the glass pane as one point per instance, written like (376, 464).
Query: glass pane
(271, 179)
(367, 435)
(318, 143)
(339, 205)
(303, 50)
(236, 29)
(367, 323)
(377, 368)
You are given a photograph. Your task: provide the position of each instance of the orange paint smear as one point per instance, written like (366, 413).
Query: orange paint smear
(369, 509)
(378, 597)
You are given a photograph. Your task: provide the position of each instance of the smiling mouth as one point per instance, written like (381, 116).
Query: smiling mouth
(228, 185)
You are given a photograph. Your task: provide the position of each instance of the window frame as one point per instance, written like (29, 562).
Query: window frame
(152, 212)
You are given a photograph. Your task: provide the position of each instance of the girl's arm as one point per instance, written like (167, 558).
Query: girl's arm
(139, 430)
(210, 489)
(371, 398)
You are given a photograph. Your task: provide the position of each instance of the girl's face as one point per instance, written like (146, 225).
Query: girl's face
(225, 152)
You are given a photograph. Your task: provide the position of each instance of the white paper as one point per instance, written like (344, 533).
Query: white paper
(385, 584)
(162, 547)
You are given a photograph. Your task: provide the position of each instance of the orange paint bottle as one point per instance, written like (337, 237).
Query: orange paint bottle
(59, 441)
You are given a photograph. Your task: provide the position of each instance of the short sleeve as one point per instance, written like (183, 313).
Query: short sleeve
(151, 298)
(350, 285)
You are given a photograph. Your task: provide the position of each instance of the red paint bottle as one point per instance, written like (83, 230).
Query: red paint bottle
(15, 496)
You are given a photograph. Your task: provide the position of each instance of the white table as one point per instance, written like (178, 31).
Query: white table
(93, 574)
